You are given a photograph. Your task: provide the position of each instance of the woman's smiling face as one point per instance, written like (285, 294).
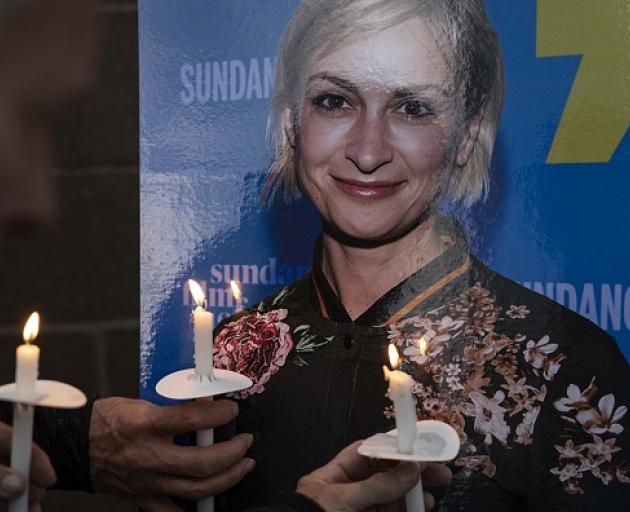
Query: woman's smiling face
(375, 131)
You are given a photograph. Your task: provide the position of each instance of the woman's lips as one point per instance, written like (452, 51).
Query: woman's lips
(371, 190)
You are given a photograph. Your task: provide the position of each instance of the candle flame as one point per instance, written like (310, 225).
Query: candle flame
(197, 292)
(394, 358)
(236, 290)
(423, 345)
(31, 327)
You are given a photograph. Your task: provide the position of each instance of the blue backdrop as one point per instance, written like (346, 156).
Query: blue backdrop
(554, 220)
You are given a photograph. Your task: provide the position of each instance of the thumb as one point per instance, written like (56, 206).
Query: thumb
(12, 484)
(382, 488)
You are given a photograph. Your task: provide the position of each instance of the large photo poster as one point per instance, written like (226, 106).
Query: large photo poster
(497, 281)
(554, 219)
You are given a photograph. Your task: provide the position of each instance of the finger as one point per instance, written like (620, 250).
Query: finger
(5, 442)
(159, 504)
(347, 466)
(381, 488)
(429, 501)
(178, 419)
(35, 507)
(196, 489)
(42, 472)
(203, 461)
(436, 475)
(12, 484)
(36, 493)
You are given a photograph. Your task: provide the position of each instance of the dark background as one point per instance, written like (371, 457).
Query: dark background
(82, 275)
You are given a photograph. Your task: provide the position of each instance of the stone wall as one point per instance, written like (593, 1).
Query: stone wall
(83, 275)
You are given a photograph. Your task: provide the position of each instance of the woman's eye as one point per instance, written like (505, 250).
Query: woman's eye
(414, 108)
(331, 102)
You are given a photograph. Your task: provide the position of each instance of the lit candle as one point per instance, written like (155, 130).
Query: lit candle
(27, 360)
(203, 323)
(399, 392)
(237, 294)
(26, 370)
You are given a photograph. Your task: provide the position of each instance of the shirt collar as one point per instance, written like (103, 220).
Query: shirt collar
(419, 292)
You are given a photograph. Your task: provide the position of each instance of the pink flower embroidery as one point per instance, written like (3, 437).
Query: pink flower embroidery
(256, 346)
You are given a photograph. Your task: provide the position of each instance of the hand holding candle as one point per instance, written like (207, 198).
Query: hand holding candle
(26, 393)
(399, 392)
(423, 441)
(203, 323)
(186, 384)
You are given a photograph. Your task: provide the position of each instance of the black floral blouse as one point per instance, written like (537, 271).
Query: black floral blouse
(537, 393)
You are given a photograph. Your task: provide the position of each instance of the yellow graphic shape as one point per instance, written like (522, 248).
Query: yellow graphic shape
(597, 114)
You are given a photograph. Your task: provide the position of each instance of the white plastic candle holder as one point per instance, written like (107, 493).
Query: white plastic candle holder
(48, 393)
(435, 441)
(188, 385)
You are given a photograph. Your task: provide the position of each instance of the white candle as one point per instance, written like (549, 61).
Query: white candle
(237, 293)
(205, 438)
(399, 392)
(26, 371)
(203, 324)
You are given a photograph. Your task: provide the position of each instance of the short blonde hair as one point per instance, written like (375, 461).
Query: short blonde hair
(318, 27)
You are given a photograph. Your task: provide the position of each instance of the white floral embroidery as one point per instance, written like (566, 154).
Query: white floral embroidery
(595, 456)
(490, 417)
(463, 375)
(536, 353)
(604, 418)
(517, 311)
(576, 400)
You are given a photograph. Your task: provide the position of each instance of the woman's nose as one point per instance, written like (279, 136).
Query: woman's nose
(368, 147)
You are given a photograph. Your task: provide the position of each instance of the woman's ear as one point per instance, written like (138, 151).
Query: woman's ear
(290, 126)
(467, 146)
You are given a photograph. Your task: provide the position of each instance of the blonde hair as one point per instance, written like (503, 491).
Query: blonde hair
(318, 27)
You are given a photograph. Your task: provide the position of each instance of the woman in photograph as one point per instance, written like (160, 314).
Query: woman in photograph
(382, 111)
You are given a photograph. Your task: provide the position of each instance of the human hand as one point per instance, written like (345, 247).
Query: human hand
(12, 484)
(132, 454)
(352, 483)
